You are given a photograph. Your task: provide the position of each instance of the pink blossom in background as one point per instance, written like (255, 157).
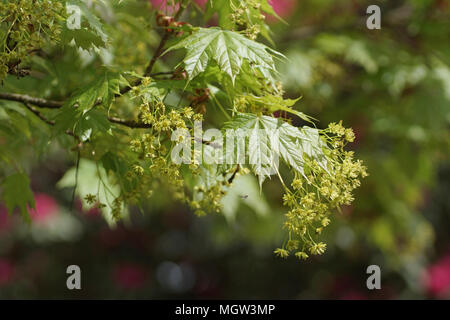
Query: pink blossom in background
(284, 8)
(130, 276)
(437, 279)
(92, 212)
(46, 207)
(6, 271)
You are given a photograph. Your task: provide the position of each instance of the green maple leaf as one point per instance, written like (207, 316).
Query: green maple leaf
(83, 38)
(275, 103)
(82, 113)
(223, 9)
(17, 194)
(280, 139)
(227, 49)
(102, 91)
(91, 31)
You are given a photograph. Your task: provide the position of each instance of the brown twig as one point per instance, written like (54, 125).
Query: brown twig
(38, 114)
(231, 179)
(157, 54)
(28, 101)
(43, 103)
(167, 73)
(129, 123)
(50, 122)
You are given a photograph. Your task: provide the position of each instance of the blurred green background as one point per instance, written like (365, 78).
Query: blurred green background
(391, 85)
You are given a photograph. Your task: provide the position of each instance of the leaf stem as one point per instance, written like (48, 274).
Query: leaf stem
(221, 107)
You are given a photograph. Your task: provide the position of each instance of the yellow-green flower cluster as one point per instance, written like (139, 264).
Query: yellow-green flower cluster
(322, 189)
(154, 114)
(162, 120)
(25, 25)
(116, 206)
(210, 199)
(153, 170)
(247, 17)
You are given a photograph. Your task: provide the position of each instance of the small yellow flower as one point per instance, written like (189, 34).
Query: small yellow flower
(146, 81)
(325, 222)
(282, 253)
(138, 170)
(318, 248)
(188, 112)
(349, 135)
(200, 213)
(90, 198)
(297, 184)
(198, 117)
(301, 255)
(288, 199)
(292, 245)
(135, 145)
(147, 118)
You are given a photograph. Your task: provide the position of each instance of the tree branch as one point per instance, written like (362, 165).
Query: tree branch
(28, 101)
(129, 123)
(168, 73)
(50, 122)
(38, 114)
(43, 103)
(230, 180)
(157, 54)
